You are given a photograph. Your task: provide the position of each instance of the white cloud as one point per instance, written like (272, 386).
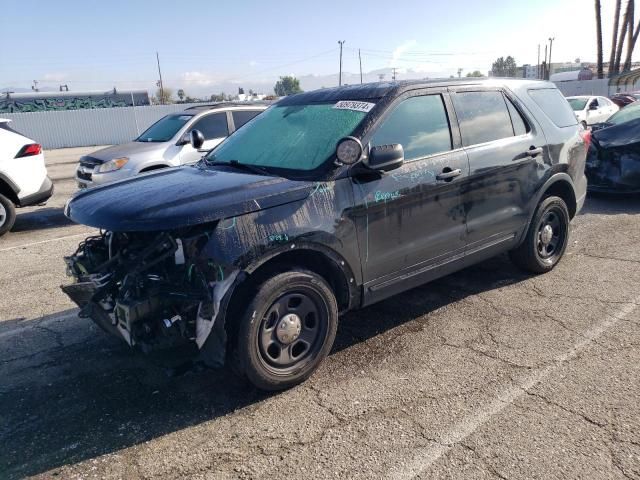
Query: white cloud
(253, 63)
(399, 50)
(198, 78)
(54, 77)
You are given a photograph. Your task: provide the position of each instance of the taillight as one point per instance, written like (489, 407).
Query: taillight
(29, 150)
(586, 136)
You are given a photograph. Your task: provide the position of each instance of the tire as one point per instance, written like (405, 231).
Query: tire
(7, 214)
(546, 239)
(286, 331)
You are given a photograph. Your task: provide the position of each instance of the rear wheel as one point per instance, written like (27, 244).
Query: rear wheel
(546, 239)
(287, 330)
(7, 215)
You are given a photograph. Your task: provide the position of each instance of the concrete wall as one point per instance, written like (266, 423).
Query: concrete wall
(83, 128)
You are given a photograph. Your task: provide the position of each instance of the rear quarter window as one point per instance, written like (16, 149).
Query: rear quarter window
(554, 105)
(240, 117)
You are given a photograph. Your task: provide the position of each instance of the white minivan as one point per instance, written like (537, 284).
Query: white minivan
(590, 110)
(166, 143)
(23, 175)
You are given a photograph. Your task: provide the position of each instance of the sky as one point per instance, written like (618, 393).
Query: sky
(206, 46)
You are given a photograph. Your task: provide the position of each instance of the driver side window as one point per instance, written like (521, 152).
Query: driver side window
(419, 124)
(594, 103)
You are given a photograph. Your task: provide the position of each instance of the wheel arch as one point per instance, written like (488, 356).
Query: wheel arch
(317, 258)
(559, 184)
(9, 189)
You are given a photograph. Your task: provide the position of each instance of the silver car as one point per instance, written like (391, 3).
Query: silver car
(166, 143)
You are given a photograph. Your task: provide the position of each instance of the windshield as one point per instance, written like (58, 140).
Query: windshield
(630, 112)
(296, 137)
(164, 129)
(577, 103)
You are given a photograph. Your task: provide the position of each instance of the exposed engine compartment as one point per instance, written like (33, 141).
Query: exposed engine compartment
(140, 287)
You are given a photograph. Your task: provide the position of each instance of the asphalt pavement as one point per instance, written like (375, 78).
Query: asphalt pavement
(487, 373)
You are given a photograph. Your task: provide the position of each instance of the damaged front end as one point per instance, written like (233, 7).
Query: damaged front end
(149, 289)
(613, 161)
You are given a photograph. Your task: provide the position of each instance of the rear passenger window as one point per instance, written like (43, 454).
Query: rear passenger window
(419, 124)
(520, 126)
(555, 106)
(240, 117)
(483, 117)
(213, 126)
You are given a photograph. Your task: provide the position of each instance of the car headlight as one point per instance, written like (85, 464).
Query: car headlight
(112, 165)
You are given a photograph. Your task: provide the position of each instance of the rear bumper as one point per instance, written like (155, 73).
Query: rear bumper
(42, 195)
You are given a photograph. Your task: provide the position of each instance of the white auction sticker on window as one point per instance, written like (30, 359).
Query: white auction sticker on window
(354, 105)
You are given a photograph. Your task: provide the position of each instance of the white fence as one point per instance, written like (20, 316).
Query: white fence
(598, 87)
(81, 128)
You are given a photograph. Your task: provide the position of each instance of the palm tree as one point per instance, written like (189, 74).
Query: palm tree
(599, 38)
(633, 38)
(628, 15)
(614, 38)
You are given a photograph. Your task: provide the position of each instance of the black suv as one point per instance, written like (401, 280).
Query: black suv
(328, 201)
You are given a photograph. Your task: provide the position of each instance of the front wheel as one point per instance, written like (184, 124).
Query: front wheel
(546, 239)
(287, 330)
(7, 215)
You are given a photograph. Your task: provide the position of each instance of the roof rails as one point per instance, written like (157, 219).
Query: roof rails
(212, 106)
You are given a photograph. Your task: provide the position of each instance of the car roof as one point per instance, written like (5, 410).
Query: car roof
(5, 120)
(581, 96)
(377, 90)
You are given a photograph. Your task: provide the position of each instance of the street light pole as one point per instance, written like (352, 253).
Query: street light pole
(551, 39)
(160, 75)
(341, 42)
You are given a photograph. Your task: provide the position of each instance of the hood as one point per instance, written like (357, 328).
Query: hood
(128, 150)
(625, 134)
(179, 197)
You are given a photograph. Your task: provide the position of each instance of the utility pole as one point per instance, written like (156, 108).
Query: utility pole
(538, 66)
(341, 42)
(551, 39)
(459, 72)
(394, 74)
(160, 75)
(34, 87)
(360, 59)
(545, 64)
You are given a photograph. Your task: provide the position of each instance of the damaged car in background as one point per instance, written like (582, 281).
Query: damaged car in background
(328, 201)
(613, 161)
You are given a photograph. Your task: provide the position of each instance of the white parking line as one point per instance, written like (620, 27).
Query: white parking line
(26, 245)
(427, 456)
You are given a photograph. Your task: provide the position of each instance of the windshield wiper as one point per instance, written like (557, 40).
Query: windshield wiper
(242, 166)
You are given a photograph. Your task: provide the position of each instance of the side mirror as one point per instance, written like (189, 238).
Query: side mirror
(197, 139)
(385, 157)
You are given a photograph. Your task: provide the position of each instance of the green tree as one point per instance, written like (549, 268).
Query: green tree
(476, 73)
(287, 86)
(504, 67)
(181, 94)
(164, 97)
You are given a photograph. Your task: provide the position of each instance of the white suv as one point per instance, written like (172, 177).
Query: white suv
(23, 175)
(166, 143)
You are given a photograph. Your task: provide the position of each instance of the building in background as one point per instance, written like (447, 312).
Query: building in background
(43, 101)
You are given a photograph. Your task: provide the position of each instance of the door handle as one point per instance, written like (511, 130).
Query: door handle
(449, 175)
(532, 152)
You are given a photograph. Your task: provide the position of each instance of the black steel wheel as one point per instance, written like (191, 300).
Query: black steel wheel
(546, 239)
(287, 330)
